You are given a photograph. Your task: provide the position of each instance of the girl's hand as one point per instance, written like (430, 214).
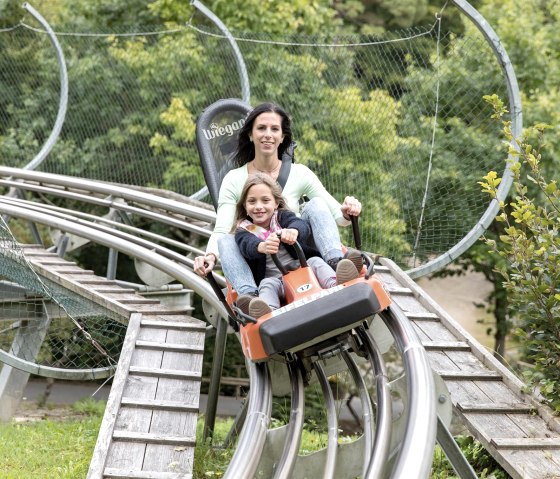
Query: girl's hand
(204, 264)
(350, 207)
(270, 245)
(289, 235)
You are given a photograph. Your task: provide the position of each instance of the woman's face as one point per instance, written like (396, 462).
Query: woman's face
(260, 204)
(266, 134)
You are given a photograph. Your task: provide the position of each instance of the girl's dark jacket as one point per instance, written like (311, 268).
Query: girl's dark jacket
(248, 243)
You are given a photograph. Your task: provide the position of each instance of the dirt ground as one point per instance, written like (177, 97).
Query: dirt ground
(459, 296)
(30, 411)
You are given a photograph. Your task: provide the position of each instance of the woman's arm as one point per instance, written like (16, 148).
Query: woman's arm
(305, 182)
(230, 191)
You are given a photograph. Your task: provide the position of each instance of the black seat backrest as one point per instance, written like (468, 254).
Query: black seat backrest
(216, 138)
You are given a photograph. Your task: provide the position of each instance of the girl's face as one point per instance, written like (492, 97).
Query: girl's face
(266, 134)
(260, 205)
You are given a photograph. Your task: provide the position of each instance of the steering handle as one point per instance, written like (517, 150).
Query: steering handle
(300, 255)
(233, 318)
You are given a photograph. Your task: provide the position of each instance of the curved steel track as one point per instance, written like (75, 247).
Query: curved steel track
(371, 456)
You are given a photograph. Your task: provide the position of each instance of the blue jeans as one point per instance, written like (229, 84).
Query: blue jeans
(327, 242)
(323, 228)
(271, 290)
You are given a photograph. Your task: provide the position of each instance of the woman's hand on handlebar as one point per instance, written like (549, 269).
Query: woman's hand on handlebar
(270, 245)
(288, 235)
(204, 264)
(350, 207)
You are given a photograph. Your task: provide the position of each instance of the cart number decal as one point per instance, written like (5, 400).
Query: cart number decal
(303, 288)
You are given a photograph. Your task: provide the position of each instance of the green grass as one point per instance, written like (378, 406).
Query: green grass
(47, 449)
(63, 448)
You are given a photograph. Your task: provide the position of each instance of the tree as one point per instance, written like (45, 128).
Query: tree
(530, 247)
(528, 31)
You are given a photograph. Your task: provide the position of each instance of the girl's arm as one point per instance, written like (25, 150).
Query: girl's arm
(288, 220)
(248, 244)
(230, 191)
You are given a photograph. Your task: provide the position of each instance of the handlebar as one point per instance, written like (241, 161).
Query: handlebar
(233, 318)
(300, 255)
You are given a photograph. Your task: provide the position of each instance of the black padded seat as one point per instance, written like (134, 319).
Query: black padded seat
(316, 321)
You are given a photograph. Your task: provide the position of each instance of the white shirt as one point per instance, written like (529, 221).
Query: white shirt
(301, 181)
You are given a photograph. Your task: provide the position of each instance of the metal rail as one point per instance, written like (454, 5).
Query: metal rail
(287, 461)
(379, 454)
(514, 96)
(252, 438)
(415, 451)
(112, 191)
(63, 101)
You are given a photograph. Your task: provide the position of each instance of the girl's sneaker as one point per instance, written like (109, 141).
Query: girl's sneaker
(258, 307)
(243, 302)
(346, 271)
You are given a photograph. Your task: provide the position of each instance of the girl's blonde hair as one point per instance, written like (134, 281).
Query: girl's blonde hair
(252, 180)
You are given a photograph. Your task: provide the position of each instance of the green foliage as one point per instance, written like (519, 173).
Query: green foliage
(247, 15)
(530, 245)
(89, 407)
(529, 31)
(481, 461)
(47, 449)
(211, 460)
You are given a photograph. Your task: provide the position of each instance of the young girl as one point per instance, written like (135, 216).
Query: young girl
(264, 225)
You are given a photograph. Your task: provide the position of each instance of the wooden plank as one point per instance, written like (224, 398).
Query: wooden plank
(421, 316)
(445, 346)
(496, 407)
(127, 436)
(60, 262)
(470, 376)
(158, 404)
(530, 464)
(113, 402)
(75, 271)
(179, 348)
(399, 290)
(195, 325)
(435, 331)
(409, 303)
(132, 474)
(165, 458)
(526, 443)
(35, 255)
(130, 455)
(165, 373)
(114, 290)
(132, 301)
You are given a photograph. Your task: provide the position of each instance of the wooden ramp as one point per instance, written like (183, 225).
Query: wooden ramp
(519, 432)
(149, 426)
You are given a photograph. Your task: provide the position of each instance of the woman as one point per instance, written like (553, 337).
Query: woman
(264, 137)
